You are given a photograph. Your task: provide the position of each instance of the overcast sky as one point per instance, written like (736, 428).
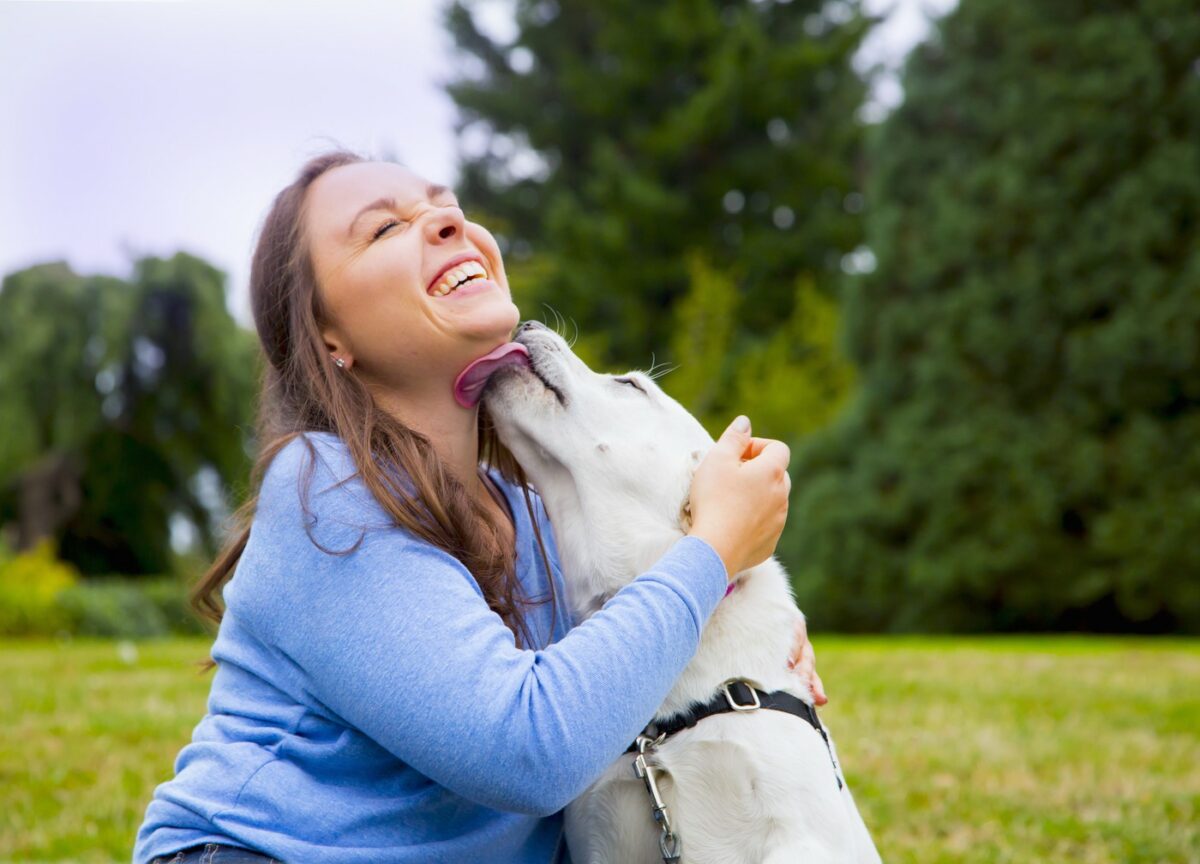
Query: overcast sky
(135, 128)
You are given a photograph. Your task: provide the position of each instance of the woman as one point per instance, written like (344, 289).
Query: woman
(393, 682)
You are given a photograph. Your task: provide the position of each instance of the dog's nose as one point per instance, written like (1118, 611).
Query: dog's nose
(530, 325)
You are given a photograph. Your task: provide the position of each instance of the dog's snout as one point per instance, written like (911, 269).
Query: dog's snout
(531, 325)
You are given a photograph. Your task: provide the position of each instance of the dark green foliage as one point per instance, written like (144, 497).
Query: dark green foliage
(124, 403)
(1023, 452)
(665, 129)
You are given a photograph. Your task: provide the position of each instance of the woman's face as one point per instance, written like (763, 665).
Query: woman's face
(380, 237)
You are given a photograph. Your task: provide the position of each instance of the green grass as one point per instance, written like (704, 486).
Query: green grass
(958, 750)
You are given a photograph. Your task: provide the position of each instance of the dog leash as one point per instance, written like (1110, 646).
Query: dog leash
(669, 843)
(748, 698)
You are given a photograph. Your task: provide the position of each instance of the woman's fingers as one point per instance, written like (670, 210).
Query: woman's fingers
(739, 506)
(776, 454)
(807, 667)
(803, 661)
(799, 641)
(754, 447)
(818, 689)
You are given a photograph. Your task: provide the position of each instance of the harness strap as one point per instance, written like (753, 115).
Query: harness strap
(740, 696)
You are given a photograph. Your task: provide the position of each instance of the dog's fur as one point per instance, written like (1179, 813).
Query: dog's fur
(614, 466)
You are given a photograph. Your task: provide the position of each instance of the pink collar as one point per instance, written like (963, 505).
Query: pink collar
(729, 590)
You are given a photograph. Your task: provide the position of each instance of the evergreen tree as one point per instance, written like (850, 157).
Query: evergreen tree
(1023, 450)
(623, 138)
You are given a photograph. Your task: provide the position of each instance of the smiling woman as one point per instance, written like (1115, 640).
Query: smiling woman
(378, 268)
(396, 677)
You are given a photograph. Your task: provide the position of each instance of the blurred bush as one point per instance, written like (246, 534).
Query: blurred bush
(31, 584)
(112, 607)
(43, 596)
(127, 608)
(170, 597)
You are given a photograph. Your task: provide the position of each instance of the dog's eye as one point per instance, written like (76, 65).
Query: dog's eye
(630, 382)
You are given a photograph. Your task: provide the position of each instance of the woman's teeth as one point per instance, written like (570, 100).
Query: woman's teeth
(452, 278)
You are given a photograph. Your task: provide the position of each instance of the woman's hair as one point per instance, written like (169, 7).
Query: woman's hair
(302, 391)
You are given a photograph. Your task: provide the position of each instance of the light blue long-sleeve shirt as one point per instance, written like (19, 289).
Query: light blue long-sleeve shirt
(370, 708)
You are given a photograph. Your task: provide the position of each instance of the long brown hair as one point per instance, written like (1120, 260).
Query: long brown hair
(301, 391)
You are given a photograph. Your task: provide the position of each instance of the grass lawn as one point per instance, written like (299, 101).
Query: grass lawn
(1055, 749)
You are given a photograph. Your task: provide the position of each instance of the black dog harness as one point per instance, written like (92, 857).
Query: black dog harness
(735, 696)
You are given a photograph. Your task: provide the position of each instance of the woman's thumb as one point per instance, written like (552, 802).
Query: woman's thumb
(737, 433)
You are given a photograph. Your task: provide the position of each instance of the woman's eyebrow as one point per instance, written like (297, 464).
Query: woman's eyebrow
(433, 190)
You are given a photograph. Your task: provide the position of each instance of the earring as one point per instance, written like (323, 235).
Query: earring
(338, 362)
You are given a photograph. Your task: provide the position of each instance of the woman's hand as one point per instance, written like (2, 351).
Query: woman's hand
(739, 497)
(804, 662)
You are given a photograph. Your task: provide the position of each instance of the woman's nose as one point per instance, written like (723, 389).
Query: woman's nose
(445, 225)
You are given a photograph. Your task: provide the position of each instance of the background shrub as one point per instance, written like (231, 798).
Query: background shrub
(30, 586)
(43, 596)
(127, 608)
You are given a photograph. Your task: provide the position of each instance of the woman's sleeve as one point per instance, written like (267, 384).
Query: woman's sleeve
(397, 639)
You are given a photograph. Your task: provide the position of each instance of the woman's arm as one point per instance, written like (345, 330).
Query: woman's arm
(395, 639)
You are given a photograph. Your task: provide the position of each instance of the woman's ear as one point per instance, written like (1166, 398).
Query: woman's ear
(336, 346)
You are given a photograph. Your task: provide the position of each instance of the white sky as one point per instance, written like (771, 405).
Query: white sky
(137, 128)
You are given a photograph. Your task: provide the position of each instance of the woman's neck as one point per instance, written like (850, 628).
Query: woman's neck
(451, 429)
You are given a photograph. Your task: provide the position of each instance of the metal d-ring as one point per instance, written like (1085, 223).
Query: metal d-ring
(741, 706)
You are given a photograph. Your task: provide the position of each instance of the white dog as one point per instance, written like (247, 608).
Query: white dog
(613, 458)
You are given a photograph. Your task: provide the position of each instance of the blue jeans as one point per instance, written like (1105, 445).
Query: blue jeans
(215, 853)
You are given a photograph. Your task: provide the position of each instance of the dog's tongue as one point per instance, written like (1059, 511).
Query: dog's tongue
(468, 386)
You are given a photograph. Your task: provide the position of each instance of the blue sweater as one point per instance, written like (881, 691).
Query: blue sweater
(370, 707)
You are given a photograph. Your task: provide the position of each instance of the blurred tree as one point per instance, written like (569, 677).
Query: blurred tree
(1022, 453)
(617, 138)
(125, 405)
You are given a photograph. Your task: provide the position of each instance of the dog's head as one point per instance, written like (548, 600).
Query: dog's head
(611, 455)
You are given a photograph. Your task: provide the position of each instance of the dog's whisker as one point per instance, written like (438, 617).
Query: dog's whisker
(554, 312)
(652, 374)
(576, 339)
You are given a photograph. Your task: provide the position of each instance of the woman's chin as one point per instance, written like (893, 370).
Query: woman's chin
(492, 322)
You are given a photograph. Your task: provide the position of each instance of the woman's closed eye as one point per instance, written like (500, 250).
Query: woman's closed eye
(379, 232)
(392, 223)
